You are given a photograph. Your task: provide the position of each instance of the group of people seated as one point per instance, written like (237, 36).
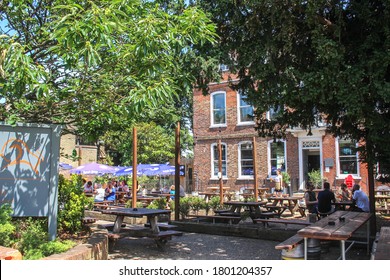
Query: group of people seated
(108, 192)
(322, 204)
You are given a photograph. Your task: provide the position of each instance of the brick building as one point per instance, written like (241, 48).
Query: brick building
(223, 115)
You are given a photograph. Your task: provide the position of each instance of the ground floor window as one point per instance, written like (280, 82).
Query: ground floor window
(347, 156)
(215, 159)
(245, 164)
(277, 156)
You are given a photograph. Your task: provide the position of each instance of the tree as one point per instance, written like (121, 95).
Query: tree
(311, 61)
(95, 64)
(155, 144)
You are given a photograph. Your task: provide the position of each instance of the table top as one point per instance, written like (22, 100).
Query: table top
(285, 198)
(350, 202)
(243, 203)
(136, 212)
(341, 230)
(217, 188)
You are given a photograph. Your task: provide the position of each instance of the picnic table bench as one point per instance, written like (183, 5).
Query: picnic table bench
(217, 218)
(292, 248)
(162, 226)
(382, 245)
(283, 221)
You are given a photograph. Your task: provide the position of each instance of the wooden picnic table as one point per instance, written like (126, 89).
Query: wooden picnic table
(152, 217)
(292, 204)
(332, 228)
(342, 205)
(209, 195)
(237, 207)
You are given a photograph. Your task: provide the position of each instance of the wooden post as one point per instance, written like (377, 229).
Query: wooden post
(220, 175)
(177, 171)
(256, 186)
(135, 185)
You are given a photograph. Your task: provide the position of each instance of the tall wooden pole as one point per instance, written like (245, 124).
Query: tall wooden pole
(177, 171)
(256, 186)
(220, 175)
(135, 185)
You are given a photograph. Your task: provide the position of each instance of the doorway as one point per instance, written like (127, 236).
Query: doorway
(310, 159)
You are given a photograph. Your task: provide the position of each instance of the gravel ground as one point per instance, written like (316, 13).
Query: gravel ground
(195, 246)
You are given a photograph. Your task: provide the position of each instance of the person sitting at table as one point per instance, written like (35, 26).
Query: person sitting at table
(172, 191)
(325, 199)
(99, 193)
(123, 186)
(344, 194)
(109, 192)
(360, 199)
(310, 198)
(88, 187)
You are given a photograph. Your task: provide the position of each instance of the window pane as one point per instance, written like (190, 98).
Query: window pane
(347, 157)
(246, 110)
(215, 160)
(277, 157)
(219, 108)
(246, 150)
(246, 114)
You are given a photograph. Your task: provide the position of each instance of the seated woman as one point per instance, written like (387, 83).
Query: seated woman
(109, 192)
(99, 193)
(310, 199)
(88, 187)
(344, 194)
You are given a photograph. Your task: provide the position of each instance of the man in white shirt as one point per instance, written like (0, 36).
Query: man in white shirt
(362, 204)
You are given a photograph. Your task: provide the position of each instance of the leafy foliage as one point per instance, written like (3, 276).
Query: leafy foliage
(312, 62)
(97, 64)
(72, 203)
(7, 228)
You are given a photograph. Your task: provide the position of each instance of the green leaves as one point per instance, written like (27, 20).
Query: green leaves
(97, 64)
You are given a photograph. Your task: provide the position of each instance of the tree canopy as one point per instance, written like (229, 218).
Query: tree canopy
(94, 65)
(312, 61)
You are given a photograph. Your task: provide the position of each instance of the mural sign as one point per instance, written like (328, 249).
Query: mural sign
(29, 155)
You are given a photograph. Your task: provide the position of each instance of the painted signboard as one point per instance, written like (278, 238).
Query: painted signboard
(29, 156)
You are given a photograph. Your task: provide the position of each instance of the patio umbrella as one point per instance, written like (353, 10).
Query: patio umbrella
(93, 169)
(65, 166)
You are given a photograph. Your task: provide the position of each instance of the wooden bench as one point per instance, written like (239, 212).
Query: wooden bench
(162, 227)
(282, 221)
(382, 246)
(162, 237)
(88, 220)
(217, 218)
(291, 247)
(289, 243)
(277, 209)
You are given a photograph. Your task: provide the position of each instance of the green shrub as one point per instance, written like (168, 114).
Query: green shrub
(196, 203)
(315, 177)
(32, 234)
(7, 229)
(129, 204)
(56, 247)
(72, 202)
(160, 203)
(184, 206)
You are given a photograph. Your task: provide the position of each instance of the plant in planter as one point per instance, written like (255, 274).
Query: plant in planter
(286, 179)
(184, 207)
(315, 178)
(196, 204)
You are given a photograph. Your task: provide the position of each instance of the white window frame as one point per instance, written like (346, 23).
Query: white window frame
(240, 175)
(269, 156)
(215, 176)
(213, 124)
(343, 176)
(239, 122)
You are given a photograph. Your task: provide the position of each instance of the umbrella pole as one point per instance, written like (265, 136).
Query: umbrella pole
(134, 193)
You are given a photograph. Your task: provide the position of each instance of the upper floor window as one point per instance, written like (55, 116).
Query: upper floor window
(215, 160)
(277, 156)
(223, 67)
(245, 163)
(347, 157)
(272, 113)
(218, 108)
(245, 111)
